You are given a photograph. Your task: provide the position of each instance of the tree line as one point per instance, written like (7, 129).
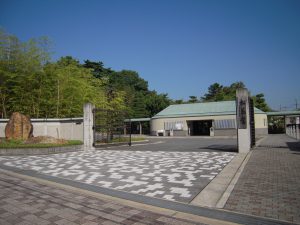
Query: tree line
(218, 92)
(33, 84)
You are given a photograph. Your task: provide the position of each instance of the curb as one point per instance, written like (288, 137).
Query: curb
(215, 191)
(222, 201)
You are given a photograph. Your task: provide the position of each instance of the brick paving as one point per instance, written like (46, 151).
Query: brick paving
(25, 202)
(269, 186)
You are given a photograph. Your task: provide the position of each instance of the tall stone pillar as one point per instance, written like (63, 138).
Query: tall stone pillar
(88, 135)
(243, 120)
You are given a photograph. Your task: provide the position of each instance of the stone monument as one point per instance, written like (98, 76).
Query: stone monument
(243, 120)
(18, 127)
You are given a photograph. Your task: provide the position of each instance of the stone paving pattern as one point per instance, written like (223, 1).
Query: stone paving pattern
(269, 186)
(174, 176)
(24, 202)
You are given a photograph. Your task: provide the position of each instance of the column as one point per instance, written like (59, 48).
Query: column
(88, 121)
(243, 120)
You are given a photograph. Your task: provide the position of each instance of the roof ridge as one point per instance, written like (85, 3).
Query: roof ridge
(192, 103)
(201, 108)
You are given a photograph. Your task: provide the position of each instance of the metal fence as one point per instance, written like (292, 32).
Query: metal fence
(110, 127)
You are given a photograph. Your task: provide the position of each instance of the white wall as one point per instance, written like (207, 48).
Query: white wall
(67, 128)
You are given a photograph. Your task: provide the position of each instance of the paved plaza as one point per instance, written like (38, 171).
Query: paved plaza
(184, 144)
(267, 187)
(174, 176)
(270, 183)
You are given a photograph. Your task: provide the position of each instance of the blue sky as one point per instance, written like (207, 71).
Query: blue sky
(179, 47)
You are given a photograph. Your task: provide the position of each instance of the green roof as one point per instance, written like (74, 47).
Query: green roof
(201, 109)
(283, 113)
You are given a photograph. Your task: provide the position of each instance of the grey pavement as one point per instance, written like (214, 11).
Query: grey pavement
(25, 202)
(269, 185)
(184, 144)
(280, 141)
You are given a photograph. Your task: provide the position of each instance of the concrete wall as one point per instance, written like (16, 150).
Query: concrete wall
(261, 124)
(67, 128)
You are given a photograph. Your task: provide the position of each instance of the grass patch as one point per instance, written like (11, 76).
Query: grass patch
(19, 144)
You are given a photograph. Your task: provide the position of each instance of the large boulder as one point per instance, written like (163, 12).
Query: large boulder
(18, 127)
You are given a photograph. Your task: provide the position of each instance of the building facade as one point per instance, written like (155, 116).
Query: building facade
(203, 119)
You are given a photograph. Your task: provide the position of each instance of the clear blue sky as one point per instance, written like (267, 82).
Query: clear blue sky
(179, 47)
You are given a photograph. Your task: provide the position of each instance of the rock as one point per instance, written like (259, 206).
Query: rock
(45, 140)
(18, 127)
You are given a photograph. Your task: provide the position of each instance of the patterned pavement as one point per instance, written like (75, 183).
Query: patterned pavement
(174, 176)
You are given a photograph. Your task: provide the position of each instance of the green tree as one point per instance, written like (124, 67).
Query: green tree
(193, 99)
(74, 85)
(260, 102)
(178, 101)
(98, 69)
(217, 92)
(21, 70)
(156, 103)
(31, 84)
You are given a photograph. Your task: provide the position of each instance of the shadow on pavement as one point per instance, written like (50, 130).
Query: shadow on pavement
(294, 146)
(223, 148)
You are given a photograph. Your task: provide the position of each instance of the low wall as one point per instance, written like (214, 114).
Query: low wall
(39, 151)
(67, 128)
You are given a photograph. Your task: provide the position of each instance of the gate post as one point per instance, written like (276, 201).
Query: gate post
(88, 123)
(243, 120)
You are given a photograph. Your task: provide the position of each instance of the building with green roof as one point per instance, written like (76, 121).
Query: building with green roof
(198, 119)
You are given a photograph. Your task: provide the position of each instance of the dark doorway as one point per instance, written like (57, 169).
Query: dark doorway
(200, 127)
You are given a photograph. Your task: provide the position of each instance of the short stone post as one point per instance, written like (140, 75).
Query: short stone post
(141, 128)
(293, 131)
(88, 122)
(243, 120)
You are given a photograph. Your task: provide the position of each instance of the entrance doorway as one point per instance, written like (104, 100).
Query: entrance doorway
(200, 127)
